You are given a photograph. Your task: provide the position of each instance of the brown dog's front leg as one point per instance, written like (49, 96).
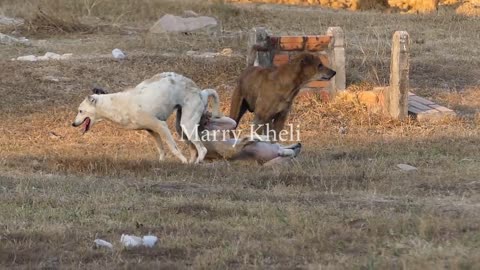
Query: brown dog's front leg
(279, 121)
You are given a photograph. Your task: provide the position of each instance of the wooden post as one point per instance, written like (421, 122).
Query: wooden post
(258, 37)
(396, 98)
(336, 54)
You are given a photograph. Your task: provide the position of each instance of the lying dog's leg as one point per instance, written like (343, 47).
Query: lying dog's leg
(161, 128)
(297, 147)
(158, 142)
(278, 161)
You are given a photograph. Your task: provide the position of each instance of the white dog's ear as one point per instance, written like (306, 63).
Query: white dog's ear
(92, 100)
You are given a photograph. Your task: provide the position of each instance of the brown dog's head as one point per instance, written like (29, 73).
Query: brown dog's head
(312, 67)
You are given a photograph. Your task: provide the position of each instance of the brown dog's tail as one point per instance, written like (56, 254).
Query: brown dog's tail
(216, 101)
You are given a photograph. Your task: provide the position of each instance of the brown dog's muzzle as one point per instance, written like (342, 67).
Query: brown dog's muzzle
(325, 73)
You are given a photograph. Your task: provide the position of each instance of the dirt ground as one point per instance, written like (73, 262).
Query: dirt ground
(344, 204)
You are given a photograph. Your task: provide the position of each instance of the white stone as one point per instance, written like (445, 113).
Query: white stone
(406, 167)
(171, 23)
(31, 58)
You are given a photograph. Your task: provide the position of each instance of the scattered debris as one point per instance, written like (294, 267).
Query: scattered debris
(227, 52)
(202, 55)
(175, 24)
(7, 21)
(31, 58)
(9, 40)
(54, 136)
(406, 167)
(102, 243)
(343, 130)
(130, 241)
(189, 13)
(149, 240)
(47, 56)
(118, 54)
(50, 78)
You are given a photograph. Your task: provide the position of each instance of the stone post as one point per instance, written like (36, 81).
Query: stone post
(336, 54)
(396, 98)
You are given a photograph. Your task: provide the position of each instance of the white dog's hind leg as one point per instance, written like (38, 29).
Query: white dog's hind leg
(193, 152)
(162, 129)
(189, 123)
(194, 139)
(158, 142)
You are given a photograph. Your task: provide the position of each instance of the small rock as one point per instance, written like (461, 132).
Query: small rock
(31, 58)
(175, 24)
(118, 54)
(406, 167)
(102, 243)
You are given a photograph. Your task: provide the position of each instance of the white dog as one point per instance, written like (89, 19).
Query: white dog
(147, 107)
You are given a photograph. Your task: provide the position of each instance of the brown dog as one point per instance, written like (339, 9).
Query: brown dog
(269, 92)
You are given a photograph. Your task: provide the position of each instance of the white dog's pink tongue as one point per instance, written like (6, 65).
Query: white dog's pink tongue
(87, 125)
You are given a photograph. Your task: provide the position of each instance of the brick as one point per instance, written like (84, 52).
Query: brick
(301, 43)
(318, 43)
(280, 59)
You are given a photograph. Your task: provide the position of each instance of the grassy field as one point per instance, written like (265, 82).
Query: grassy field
(343, 205)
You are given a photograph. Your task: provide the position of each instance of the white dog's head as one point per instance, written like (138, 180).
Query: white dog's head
(87, 111)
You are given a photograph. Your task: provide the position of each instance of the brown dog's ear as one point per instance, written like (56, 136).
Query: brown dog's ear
(307, 59)
(99, 91)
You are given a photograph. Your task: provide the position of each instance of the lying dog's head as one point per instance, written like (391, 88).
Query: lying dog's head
(311, 67)
(87, 110)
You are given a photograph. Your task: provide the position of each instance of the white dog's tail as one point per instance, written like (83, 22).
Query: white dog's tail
(216, 101)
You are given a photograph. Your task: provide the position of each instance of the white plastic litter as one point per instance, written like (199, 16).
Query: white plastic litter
(149, 240)
(118, 54)
(129, 241)
(103, 243)
(9, 40)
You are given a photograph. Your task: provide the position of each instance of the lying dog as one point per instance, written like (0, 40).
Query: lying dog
(256, 148)
(147, 107)
(269, 92)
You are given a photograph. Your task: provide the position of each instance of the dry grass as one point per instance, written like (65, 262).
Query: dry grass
(343, 205)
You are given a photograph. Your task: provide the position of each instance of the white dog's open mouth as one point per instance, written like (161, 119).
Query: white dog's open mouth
(86, 124)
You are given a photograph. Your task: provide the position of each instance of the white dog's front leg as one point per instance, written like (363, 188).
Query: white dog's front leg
(158, 142)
